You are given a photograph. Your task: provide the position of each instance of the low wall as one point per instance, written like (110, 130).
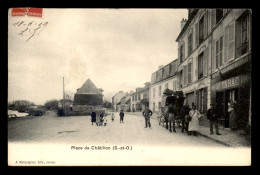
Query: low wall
(79, 110)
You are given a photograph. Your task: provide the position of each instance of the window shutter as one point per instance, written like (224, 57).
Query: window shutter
(238, 38)
(213, 18)
(226, 45)
(231, 41)
(196, 34)
(196, 69)
(205, 24)
(205, 62)
(213, 64)
(189, 72)
(183, 51)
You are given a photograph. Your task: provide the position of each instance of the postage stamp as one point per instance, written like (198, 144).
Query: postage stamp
(33, 12)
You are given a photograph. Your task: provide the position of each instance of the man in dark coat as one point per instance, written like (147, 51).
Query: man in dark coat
(93, 117)
(121, 114)
(185, 117)
(212, 116)
(147, 113)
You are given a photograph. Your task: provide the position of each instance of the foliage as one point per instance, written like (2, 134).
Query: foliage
(51, 104)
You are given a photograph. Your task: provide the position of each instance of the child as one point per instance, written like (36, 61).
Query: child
(105, 121)
(112, 117)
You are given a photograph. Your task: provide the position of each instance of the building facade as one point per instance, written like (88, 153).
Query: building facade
(214, 48)
(116, 99)
(140, 98)
(165, 77)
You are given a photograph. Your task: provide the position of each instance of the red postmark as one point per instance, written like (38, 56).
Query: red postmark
(33, 12)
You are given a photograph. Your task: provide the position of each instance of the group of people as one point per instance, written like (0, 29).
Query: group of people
(99, 120)
(191, 119)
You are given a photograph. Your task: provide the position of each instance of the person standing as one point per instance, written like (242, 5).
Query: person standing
(212, 116)
(121, 114)
(93, 117)
(232, 115)
(112, 117)
(194, 123)
(185, 121)
(147, 113)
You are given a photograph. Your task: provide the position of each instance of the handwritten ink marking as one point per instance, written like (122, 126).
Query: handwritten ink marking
(21, 23)
(23, 31)
(30, 23)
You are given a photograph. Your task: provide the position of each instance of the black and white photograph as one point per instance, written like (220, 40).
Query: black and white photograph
(129, 86)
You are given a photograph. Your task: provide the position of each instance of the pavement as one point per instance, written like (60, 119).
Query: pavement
(228, 137)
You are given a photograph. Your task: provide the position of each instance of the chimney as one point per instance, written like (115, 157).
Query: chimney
(160, 66)
(147, 84)
(183, 22)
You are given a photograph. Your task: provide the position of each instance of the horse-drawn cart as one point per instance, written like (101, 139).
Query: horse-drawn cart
(170, 112)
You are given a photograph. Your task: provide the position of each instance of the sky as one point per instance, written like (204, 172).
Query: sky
(117, 49)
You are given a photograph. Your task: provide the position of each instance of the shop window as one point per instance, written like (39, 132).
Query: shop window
(219, 52)
(242, 35)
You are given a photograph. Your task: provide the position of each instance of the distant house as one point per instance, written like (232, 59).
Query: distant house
(87, 98)
(65, 103)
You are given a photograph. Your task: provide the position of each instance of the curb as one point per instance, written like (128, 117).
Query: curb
(215, 140)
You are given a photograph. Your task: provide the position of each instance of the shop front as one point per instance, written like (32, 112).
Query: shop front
(237, 90)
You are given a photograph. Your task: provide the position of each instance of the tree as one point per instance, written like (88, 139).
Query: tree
(51, 104)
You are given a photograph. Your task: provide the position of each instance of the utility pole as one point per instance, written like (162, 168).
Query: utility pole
(63, 89)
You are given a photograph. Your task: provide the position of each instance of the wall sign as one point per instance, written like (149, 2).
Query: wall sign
(230, 83)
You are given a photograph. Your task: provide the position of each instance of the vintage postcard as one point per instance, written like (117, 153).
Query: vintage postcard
(129, 87)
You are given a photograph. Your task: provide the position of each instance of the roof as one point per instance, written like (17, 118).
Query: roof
(88, 88)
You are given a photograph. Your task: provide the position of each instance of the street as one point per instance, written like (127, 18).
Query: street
(52, 129)
(52, 140)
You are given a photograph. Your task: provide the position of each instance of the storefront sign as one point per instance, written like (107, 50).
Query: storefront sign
(230, 83)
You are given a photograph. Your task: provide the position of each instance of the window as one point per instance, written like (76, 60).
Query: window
(139, 97)
(242, 45)
(200, 65)
(182, 53)
(219, 52)
(202, 100)
(201, 30)
(219, 15)
(166, 86)
(229, 42)
(159, 104)
(160, 90)
(189, 72)
(135, 97)
(180, 80)
(190, 42)
(153, 92)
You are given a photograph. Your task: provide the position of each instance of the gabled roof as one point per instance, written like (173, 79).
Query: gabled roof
(88, 88)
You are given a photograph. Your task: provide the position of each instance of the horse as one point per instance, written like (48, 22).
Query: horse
(172, 110)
